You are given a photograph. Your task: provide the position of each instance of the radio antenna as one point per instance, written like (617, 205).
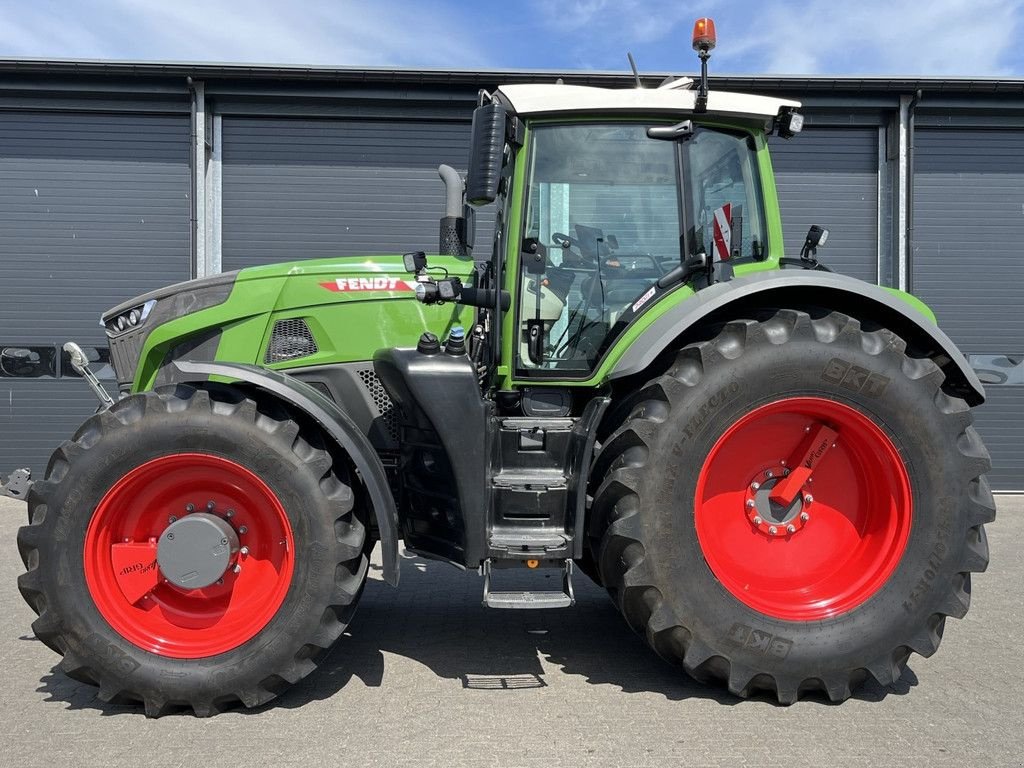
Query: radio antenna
(636, 74)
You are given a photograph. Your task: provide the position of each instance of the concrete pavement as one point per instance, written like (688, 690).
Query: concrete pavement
(425, 676)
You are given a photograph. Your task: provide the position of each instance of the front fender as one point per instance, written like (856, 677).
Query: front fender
(335, 422)
(901, 313)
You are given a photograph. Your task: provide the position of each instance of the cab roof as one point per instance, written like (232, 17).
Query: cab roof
(674, 98)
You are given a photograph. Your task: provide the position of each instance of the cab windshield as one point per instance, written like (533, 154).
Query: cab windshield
(607, 206)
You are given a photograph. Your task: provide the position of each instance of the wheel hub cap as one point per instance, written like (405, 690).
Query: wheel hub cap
(195, 551)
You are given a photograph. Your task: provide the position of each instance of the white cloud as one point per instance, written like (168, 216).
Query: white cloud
(941, 37)
(342, 32)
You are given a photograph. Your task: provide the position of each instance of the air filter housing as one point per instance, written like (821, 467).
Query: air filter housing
(290, 340)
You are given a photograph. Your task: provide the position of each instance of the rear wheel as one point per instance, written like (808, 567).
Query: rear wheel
(191, 548)
(795, 505)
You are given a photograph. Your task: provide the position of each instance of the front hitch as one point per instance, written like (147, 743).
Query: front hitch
(17, 485)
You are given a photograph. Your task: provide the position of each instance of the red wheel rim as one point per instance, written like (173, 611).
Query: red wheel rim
(842, 536)
(154, 614)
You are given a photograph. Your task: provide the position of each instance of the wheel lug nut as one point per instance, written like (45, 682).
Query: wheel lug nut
(755, 485)
(804, 517)
(773, 530)
(808, 498)
(220, 582)
(750, 503)
(758, 521)
(244, 550)
(210, 506)
(243, 529)
(171, 519)
(769, 474)
(190, 507)
(791, 528)
(231, 513)
(237, 568)
(785, 472)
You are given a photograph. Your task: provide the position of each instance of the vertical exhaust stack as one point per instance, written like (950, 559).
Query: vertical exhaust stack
(452, 240)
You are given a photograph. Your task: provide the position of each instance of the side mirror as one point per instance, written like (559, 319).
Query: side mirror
(486, 154)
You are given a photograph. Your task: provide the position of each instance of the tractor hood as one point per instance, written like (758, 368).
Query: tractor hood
(352, 306)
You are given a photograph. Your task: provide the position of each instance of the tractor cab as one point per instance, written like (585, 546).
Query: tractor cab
(607, 201)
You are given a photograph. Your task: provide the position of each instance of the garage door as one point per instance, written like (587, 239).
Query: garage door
(829, 177)
(315, 188)
(94, 209)
(967, 264)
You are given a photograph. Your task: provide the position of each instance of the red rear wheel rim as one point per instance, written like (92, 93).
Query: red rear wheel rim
(188, 623)
(843, 543)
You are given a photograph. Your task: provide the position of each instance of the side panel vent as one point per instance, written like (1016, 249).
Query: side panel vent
(381, 400)
(290, 340)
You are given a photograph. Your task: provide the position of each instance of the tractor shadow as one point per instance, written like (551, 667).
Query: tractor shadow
(436, 620)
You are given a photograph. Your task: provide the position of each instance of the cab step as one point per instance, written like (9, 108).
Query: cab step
(529, 600)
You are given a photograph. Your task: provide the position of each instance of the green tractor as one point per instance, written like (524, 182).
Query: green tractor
(770, 467)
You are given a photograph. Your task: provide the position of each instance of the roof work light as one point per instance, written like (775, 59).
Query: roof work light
(704, 34)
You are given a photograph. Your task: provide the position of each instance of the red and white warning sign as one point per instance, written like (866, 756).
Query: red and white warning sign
(375, 283)
(723, 232)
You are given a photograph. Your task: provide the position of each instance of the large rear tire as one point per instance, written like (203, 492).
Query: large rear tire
(285, 582)
(818, 589)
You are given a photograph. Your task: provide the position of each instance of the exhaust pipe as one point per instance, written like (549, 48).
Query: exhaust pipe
(452, 239)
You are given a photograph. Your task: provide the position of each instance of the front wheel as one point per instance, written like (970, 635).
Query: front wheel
(193, 549)
(793, 506)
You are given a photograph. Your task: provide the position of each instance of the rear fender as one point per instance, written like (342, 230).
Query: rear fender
(901, 313)
(335, 422)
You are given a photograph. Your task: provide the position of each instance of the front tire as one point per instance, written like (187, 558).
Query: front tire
(819, 592)
(286, 580)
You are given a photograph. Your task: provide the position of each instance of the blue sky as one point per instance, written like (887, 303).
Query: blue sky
(933, 37)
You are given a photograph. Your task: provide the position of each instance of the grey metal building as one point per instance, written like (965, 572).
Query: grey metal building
(119, 178)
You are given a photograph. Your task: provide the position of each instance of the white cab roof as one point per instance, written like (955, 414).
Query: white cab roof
(677, 97)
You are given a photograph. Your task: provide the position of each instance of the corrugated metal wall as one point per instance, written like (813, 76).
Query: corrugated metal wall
(829, 176)
(968, 265)
(314, 188)
(94, 208)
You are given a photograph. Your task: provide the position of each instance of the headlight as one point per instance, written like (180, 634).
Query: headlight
(129, 319)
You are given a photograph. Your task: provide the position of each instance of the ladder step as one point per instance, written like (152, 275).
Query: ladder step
(528, 540)
(535, 479)
(527, 600)
(563, 599)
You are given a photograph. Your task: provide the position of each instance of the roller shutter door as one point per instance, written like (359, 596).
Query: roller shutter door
(968, 265)
(316, 188)
(94, 209)
(829, 177)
